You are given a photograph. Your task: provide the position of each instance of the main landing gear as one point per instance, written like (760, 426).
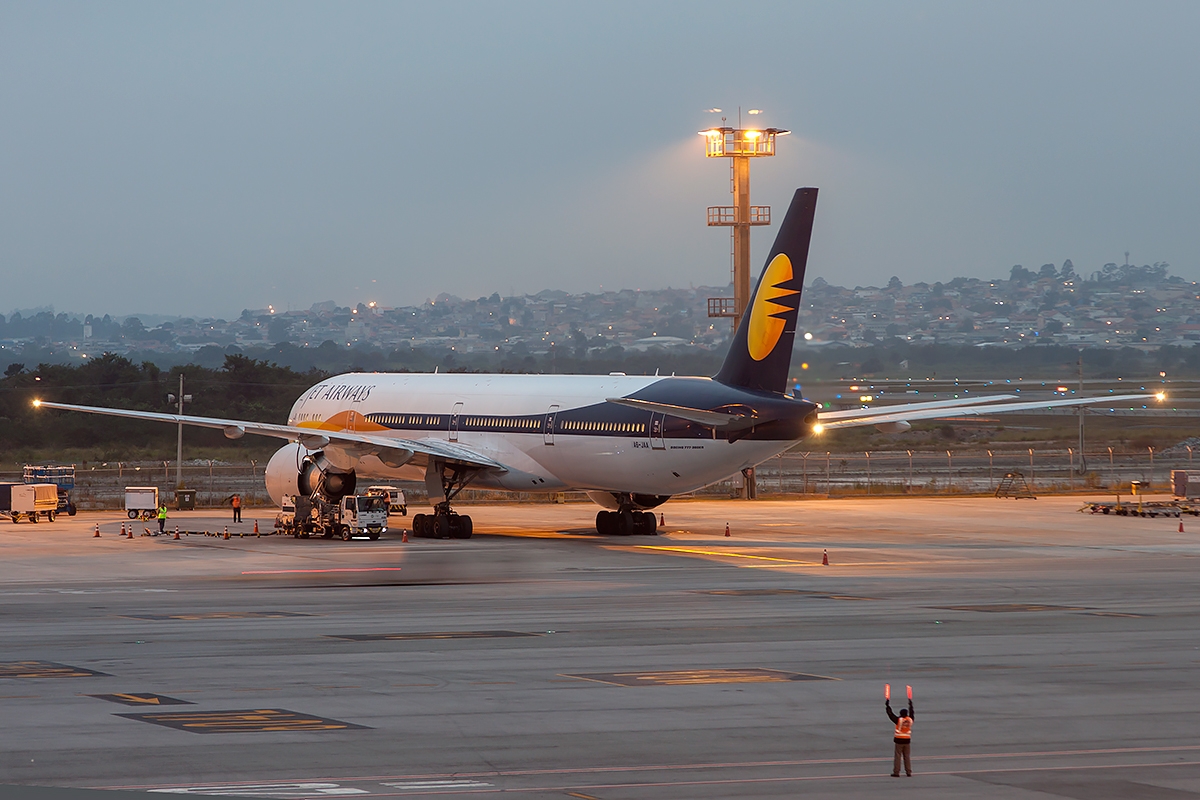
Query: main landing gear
(444, 523)
(626, 522)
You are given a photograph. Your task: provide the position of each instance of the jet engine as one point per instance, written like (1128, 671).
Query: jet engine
(296, 470)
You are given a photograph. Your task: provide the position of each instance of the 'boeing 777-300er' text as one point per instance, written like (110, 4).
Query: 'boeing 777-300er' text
(629, 442)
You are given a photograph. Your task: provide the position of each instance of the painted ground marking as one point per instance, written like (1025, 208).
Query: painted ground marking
(142, 699)
(44, 669)
(402, 637)
(692, 677)
(262, 720)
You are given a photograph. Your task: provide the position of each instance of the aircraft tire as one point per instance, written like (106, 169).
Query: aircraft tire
(441, 526)
(462, 527)
(418, 526)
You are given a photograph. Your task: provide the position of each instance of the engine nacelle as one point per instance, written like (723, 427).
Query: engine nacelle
(296, 470)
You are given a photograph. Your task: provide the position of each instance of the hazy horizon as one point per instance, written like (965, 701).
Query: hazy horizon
(200, 159)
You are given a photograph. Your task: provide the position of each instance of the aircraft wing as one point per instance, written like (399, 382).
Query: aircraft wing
(919, 411)
(392, 451)
(856, 413)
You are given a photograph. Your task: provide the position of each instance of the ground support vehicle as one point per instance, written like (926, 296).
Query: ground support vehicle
(141, 501)
(356, 515)
(31, 500)
(1150, 508)
(62, 477)
(397, 504)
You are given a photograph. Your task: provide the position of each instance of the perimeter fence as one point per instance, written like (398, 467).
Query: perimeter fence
(797, 473)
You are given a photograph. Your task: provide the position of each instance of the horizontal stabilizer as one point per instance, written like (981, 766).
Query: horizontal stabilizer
(711, 419)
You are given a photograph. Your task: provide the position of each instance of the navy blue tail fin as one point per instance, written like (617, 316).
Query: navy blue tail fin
(761, 353)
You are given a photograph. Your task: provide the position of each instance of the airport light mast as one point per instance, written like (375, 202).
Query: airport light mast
(739, 145)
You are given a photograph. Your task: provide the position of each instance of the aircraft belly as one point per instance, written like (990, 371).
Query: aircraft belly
(619, 464)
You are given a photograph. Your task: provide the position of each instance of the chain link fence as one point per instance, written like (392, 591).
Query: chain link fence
(880, 472)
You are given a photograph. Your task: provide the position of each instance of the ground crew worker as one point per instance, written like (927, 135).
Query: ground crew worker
(902, 737)
(237, 508)
(162, 516)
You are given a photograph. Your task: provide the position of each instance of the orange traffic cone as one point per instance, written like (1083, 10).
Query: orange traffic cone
(256, 533)
(825, 558)
(404, 538)
(726, 528)
(662, 520)
(226, 531)
(1181, 524)
(122, 530)
(130, 536)
(177, 533)
(97, 535)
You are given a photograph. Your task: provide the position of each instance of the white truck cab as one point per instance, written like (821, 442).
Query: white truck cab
(364, 515)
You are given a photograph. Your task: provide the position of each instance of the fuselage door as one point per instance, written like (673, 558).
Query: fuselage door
(455, 415)
(548, 429)
(657, 423)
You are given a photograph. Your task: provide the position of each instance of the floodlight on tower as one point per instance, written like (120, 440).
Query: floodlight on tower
(739, 145)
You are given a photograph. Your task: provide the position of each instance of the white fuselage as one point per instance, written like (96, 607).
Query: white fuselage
(519, 421)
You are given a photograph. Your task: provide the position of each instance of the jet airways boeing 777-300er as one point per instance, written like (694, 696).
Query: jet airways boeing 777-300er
(629, 442)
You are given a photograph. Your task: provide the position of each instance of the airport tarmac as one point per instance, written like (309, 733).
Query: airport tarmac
(1052, 654)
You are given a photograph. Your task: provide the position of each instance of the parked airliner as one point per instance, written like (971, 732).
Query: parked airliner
(629, 442)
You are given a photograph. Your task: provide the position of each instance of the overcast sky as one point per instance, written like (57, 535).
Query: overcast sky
(201, 158)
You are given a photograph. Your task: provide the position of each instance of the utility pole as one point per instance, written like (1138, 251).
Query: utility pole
(181, 398)
(1082, 458)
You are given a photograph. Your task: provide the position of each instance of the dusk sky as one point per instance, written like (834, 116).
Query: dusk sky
(201, 158)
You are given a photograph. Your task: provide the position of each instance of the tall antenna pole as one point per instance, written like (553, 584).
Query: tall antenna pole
(1082, 458)
(179, 440)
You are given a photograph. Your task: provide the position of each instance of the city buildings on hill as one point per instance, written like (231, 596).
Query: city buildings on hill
(1117, 306)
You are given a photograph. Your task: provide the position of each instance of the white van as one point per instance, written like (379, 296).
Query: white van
(396, 502)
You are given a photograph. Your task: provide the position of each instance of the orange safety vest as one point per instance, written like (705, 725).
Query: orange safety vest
(237, 501)
(904, 728)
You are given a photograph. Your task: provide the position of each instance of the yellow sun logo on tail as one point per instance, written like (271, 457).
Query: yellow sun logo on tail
(768, 313)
